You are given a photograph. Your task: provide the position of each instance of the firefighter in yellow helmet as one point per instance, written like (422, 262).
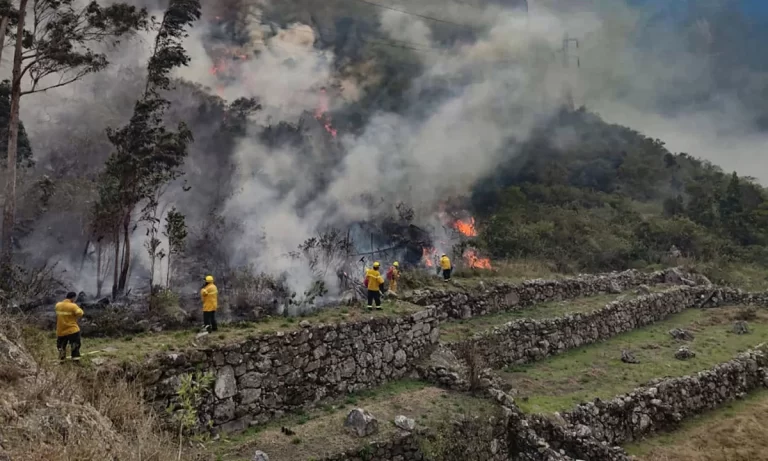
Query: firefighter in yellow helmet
(210, 296)
(393, 274)
(445, 265)
(374, 281)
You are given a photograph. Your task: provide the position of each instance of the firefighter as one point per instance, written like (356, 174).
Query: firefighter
(393, 274)
(67, 329)
(210, 296)
(445, 265)
(374, 281)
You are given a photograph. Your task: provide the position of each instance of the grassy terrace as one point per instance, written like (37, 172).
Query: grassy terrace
(583, 374)
(460, 329)
(735, 432)
(138, 347)
(321, 431)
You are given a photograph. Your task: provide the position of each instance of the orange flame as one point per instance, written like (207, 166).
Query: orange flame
(466, 228)
(322, 116)
(428, 256)
(474, 261)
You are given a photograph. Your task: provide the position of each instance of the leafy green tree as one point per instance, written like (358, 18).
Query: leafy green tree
(53, 48)
(147, 155)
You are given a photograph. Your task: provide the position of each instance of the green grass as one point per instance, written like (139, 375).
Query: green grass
(456, 330)
(320, 431)
(140, 346)
(583, 374)
(733, 432)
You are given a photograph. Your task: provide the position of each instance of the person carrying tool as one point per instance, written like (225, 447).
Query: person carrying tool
(373, 280)
(393, 274)
(445, 265)
(67, 329)
(210, 296)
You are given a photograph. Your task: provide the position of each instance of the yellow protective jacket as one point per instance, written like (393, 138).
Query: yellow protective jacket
(67, 314)
(375, 280)
(445, 263)
(210, 296)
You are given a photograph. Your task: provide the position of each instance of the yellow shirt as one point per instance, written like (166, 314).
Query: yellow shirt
(210, 295)
(445, 263)
(375, 280)
(67, 314)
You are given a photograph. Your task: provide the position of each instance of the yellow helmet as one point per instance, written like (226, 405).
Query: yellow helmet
(396, 264)
(376, 264)
(209, 278)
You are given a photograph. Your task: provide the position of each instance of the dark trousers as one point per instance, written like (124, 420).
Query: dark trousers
(74, 341)
(374, 296)
(209, 320)
(447, 274)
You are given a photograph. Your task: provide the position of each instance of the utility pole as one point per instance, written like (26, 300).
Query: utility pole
(566, 65)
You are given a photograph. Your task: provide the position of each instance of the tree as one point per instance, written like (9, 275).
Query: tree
(56, 44)
(176, 232)
(147, 155)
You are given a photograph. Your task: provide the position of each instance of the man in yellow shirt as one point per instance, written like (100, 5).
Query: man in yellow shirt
(67, 329)
(210, 296)
(445, 265)
(374, 281)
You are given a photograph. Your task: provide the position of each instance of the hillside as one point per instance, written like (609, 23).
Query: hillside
(283, 147)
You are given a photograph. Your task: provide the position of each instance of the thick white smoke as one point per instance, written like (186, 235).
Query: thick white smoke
(495, 90)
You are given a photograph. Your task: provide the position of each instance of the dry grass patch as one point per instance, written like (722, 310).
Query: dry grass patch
(736, 432)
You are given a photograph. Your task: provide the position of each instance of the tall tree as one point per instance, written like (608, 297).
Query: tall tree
(55, 44)
(147, 155)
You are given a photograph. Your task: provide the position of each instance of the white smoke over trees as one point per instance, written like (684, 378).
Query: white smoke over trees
(470, 103)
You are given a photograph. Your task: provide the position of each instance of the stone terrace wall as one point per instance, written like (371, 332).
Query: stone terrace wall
(501, 296)
(662, 404)
(400, 448)
(260, 379)
(526, 340)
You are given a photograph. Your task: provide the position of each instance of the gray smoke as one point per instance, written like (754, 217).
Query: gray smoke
(493, 91)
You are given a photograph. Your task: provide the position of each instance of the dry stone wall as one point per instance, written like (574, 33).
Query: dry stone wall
(526, 340)
(662, 404)
(400, 448)
(261, 378)
(494, 296)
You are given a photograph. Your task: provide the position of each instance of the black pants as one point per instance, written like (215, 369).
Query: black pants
(374, 296)
(447, 274)
(74, 341)
(209, 320)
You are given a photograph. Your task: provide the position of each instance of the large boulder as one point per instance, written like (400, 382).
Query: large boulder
(405, 423)
(741, 327)
(361, 423)
(15, 362)
(260, 456)
(684, 353)
(681, 334)
(628, 357)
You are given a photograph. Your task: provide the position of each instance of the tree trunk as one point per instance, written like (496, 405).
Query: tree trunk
(168, 271)
(9, 210)
(99, 277)
(117, 262)
(85, 254)
(126, 254)
(3, 30)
